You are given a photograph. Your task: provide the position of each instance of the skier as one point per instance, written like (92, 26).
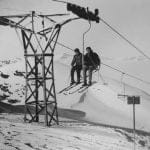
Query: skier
(76, 66)
(91, 62)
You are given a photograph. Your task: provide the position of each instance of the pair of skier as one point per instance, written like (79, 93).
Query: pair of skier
(91, 62)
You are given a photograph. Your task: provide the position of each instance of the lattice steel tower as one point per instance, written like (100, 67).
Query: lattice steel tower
(39, 36)
(39, 48)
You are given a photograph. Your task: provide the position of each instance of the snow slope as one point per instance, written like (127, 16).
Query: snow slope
(100, 103)
(69, 135)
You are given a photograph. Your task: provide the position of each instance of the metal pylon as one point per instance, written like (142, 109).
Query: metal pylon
(39, 35)
(40, 97)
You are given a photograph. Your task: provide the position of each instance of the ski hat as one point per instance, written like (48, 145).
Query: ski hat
(77, 50)
(89, 48)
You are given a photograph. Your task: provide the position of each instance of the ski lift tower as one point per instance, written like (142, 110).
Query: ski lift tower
(39, 37)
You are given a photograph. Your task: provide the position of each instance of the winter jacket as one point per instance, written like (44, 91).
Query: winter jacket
(77, 60)
(92, 59)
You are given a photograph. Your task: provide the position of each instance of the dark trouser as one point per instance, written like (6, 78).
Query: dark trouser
(90, 70)
(78, 70)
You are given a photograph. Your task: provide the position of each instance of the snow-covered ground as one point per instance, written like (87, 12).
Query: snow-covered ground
(100, 102)
(102, 119)
(69, 135)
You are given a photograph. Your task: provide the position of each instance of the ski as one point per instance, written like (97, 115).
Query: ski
(68, 88)
(76, 90)
(83, 89)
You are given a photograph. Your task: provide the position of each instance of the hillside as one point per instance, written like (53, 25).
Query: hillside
(99, 103)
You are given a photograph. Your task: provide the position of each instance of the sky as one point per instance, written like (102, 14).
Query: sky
(129, 17)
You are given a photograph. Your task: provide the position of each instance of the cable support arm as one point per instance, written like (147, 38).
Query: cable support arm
(84, 42)
(16, 16)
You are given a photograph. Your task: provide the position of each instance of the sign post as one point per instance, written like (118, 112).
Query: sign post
(133, 100)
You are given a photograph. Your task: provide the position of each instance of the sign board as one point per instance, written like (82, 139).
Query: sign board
(133, 100)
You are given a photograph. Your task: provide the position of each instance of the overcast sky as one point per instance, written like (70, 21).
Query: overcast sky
(129, 17)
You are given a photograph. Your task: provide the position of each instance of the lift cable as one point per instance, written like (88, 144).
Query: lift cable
(124, 38)
(13, 9)
(75, 8)
(127, 74)
(112, 68)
